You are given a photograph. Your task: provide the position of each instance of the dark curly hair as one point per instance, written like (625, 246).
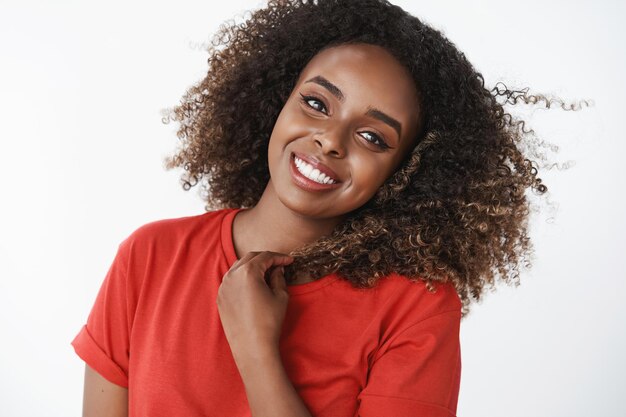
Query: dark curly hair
(455, 210)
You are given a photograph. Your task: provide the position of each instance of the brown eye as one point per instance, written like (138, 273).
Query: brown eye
(306, 99)
(377, 140)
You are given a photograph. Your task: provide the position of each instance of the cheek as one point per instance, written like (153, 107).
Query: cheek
(368, 174)
(291, 123)
(280, 131)
(287, 128)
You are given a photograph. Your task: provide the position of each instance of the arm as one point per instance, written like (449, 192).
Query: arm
(268, 388)
(102, 398)
(252, 312)
(103, 342)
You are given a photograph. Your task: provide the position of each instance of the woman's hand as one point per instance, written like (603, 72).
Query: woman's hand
(252, 310)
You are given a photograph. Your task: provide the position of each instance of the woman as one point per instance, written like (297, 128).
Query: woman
(362, 184)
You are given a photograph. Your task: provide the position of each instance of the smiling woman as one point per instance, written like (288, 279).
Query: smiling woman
(340, 127)
(362, 183)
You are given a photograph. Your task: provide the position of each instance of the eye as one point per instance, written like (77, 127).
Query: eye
(381, 143)
(376, 141)
(306, 99)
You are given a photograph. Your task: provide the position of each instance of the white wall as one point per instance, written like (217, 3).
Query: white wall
(81, 88)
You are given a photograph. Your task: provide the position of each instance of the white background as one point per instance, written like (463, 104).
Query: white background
(82, 85)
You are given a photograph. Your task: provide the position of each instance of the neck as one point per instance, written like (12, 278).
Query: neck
(272, 226)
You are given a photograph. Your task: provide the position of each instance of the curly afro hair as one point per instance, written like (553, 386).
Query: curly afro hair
(455, 210)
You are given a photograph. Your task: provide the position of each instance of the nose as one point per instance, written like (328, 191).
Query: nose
(332, 142)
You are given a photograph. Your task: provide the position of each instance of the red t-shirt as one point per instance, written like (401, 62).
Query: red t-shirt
(392, 350)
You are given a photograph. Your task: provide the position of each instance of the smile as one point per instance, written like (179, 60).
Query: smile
(308, 178)
(312, 173)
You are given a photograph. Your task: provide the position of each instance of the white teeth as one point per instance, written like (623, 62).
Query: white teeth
(307, 169)
(312, 173)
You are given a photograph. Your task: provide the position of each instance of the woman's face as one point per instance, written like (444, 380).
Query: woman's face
(354, 109)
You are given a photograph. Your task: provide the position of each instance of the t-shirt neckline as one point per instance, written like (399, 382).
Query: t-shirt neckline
(231, 257)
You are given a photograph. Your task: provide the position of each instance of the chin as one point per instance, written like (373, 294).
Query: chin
(302, 208)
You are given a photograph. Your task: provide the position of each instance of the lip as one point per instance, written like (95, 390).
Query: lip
(317, 164)
(306, 183)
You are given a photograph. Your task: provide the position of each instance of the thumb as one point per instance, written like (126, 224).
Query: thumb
(277, 280)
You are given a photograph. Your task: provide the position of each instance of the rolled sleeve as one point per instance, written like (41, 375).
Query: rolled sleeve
(94, 356)
(418, 373)
(104, 341)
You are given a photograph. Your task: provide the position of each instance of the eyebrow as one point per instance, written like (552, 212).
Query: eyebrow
(371, 111)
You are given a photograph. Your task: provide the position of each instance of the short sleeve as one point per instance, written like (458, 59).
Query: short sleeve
(103, 342)
(418, 373)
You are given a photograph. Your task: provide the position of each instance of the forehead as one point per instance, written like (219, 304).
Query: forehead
(367, 75)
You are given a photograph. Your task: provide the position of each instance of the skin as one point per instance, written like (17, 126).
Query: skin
(287, 216)
(102, 398)
(252, 299)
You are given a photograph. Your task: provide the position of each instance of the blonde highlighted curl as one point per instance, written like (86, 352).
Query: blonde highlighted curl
(456, 210)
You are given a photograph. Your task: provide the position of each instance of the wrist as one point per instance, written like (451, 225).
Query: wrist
(251, 358)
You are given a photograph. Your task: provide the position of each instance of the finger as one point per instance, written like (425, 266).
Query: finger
(258, 263)
(277, 281)
(274, 258)
(246, 258)
(265, 260)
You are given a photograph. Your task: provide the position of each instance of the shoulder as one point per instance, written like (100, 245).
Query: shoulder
(176, 225)
(172, 229)
(411, 296)
(170, 234)
(157, 246)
